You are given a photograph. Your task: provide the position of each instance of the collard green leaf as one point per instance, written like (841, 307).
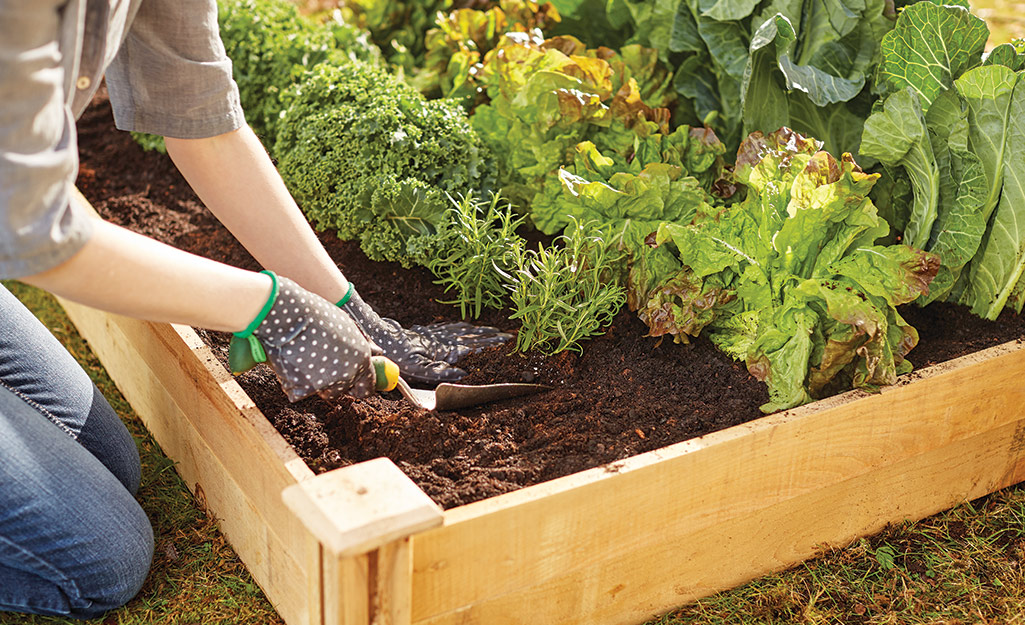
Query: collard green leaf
(999, 265)
(988, 92)
(961, 222)
(727, 10)
(929, 48)
(960, 226)
(727, 46)
(780, 90)
(838, 126)
(763, 99)
(897, 135)
(684, 36)
(947, 213)
(1007, 55)
(829, 67)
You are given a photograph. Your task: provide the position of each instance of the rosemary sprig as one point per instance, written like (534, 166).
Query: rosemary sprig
(565, 293)
(482, 242)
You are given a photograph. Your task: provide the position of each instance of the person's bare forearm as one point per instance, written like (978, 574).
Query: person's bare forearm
(238, 182)
(126, 273)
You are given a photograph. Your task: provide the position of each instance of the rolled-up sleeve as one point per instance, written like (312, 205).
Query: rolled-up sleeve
(39, 226)
(171, 76)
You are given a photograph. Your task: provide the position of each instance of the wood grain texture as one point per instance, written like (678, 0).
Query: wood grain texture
(355, 509)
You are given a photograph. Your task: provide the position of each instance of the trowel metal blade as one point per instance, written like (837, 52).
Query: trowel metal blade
(454, 396)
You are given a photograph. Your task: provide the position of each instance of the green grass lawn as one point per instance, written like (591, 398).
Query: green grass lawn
(962, 566)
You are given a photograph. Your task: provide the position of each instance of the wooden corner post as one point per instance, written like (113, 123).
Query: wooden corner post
(361, 518)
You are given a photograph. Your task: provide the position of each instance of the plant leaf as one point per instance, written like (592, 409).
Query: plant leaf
(897, 135)
(1001, 260)
(930, 47)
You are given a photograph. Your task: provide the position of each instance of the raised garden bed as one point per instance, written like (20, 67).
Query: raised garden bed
(647, 519)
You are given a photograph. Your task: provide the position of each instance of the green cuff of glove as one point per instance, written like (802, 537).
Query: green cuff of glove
(260, 316)
(245, 350)
(348, 295)
(244, 354)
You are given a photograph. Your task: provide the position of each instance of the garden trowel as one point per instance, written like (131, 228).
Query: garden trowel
(448, 396)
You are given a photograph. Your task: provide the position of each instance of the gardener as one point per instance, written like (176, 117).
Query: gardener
(73, 540)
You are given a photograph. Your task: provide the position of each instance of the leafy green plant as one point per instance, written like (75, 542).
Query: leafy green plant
(150, 142)
(668, 180)
(457, 45)
(995, 96)
(546, 96)
(367, 155)
(789, 279)
(951, 130)
(564, 293)
(745, 65)
(271, 46)
(482, 242)
(398, 28)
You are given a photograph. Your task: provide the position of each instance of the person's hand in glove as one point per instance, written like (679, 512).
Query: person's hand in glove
(310, 344)
(423, 353)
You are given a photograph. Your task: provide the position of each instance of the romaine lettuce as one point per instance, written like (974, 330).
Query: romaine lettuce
(789, 279)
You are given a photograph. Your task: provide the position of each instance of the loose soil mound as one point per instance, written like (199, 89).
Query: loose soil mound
(624, 395)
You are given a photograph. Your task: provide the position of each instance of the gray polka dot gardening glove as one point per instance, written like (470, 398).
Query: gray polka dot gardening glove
(310, 344)
(423, 353)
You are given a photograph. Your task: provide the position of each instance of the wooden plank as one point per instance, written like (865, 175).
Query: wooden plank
(630, 588)
(347, 590)
(219, 452)
(358, 508)
(581, 524)
(190, 378)
(392, 589)
(371, 588)
(363, 515)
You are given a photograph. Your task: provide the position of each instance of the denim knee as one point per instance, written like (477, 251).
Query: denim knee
(125, 564)
(106, 437)
(82, 574)
(73, 539)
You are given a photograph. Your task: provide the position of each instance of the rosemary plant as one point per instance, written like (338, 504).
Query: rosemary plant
(565, 293)
(482, 242)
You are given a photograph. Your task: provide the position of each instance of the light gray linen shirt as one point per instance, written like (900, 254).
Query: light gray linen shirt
(170, 77)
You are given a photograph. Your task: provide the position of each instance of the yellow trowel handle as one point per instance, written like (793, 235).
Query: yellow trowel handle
(387, 373)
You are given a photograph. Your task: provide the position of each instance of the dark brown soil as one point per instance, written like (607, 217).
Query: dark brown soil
(624, 395)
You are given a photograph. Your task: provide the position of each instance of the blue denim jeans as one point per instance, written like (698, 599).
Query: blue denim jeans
(73, 539)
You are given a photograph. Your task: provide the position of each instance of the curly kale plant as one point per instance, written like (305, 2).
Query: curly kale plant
(271, 46)
(366, 154)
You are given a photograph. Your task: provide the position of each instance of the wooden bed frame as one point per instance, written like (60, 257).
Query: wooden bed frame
(614, 545)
